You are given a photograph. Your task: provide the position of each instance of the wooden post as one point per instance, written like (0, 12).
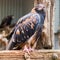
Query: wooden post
(51, 21)
(48, 20)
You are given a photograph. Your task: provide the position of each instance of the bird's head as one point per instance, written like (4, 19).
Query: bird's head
(40, 8)
(11, 16)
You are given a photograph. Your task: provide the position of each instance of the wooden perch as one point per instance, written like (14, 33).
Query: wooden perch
(36, 55)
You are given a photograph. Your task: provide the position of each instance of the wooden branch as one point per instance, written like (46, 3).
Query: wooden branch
(36, 55)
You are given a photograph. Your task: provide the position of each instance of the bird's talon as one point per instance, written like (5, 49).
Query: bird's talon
(26, 50)
(30, 49)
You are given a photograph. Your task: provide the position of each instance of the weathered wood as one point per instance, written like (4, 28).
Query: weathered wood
(36, 55)
(48, 21)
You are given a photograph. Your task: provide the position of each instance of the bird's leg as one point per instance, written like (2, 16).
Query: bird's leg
(27, 48)
(30, 43)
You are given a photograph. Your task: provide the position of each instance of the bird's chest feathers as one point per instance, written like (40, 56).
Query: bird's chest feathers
(26, 29)
(28, 25)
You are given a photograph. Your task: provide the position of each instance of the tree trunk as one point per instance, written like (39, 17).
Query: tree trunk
(48, 30)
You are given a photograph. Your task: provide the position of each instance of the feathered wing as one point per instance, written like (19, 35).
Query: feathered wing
(26, 29)
(18, 22)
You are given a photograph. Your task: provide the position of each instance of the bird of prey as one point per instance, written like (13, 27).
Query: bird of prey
(28, 29)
